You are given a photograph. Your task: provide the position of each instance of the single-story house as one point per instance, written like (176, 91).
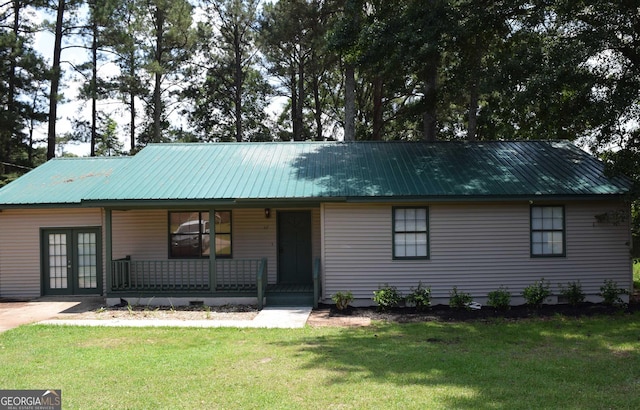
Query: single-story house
(284, 223)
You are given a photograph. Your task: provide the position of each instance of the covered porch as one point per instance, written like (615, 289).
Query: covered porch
(250, 273)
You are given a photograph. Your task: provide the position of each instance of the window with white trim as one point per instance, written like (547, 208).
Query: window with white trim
(547, 231)
(411, 233)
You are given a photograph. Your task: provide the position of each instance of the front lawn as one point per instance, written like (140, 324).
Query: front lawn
(550, 363)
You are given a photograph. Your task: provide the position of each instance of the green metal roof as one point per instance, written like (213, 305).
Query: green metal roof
(234, 172)
(61, 181)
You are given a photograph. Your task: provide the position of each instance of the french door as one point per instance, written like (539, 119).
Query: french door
(72, 261)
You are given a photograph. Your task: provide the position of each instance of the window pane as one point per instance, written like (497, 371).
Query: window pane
(223, 245)
(421, 244)
(536, 243)
(421, 220)
(206, 244)
(223, 222)
(410, 220)
(556, 243)
(400, 241)
(400, 224)
(185, 245)
(536, 223)
(536, 212)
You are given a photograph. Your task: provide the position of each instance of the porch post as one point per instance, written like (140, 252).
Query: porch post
(108, 235)
(212, 250)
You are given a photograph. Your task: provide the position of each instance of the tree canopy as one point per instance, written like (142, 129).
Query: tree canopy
(245, 70)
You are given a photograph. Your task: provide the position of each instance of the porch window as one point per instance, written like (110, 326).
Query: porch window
(547, 231)
(190, 234)
(410, 233)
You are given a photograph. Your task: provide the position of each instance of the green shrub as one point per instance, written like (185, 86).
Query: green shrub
(536, 294)
(573, 292)
(342, 299)
(387, 297)
(459, 300)
(610, 293)
(420, 297)
(500, 298)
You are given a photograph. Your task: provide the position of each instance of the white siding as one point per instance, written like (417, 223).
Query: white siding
(20, 272)
(476, 247)
(140, 234)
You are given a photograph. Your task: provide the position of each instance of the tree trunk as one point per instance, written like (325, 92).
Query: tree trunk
(377, 109)
(318, 109)
(294, 102)
(238, 82)
(157, 89)
(472, 128)
(301, 96)
(55, 81)
(94, 83)
(6, 135)
(430, 98)
(349, 103)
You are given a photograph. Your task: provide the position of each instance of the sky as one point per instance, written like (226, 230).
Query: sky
(69, 87)
(72, 107)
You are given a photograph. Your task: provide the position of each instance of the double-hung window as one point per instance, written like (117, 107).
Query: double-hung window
(190, 234)
(547, 231)
(411, 233)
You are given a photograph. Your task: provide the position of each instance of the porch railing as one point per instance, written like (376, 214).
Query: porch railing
(187, 275)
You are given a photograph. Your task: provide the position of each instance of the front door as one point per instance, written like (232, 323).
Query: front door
(294, 248)
(72, 261)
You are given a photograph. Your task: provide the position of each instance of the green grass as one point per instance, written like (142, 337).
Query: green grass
(636, 274)
(554, 363)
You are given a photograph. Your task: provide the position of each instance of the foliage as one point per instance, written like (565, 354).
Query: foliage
(537, 293)
(459, 300)
(573, 292)
(387, 297)
(420, 297)
(455, 69)
(342, 299)
(611, 293)
(500, 298)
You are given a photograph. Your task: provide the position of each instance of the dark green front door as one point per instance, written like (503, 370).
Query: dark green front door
(72, 261)
(294, 248)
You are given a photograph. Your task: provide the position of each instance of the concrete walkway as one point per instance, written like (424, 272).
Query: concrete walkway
(14, 314)
(269, 317)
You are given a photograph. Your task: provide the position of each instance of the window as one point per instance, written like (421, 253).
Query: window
(547, 231)
(410, 233)
(190, 234)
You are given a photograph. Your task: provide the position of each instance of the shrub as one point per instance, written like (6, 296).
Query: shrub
(500, 298)
(573, 292)
(342, 299)
(459, 300)
(387, 297)
(536, 294)
(610, 293)
(420, 297)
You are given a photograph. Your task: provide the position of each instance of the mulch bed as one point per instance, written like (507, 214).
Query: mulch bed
(444, 313)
